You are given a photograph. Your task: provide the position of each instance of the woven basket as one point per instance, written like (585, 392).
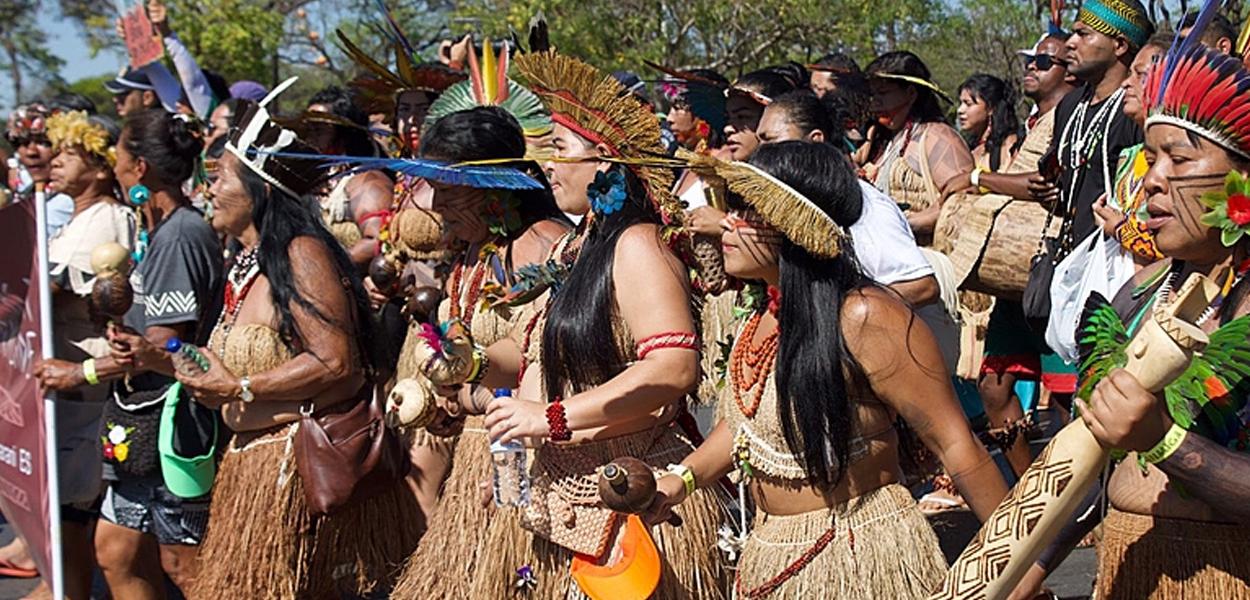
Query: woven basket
(710, 263)
(990, 240)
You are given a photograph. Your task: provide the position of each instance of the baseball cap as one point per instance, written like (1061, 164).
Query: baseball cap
(129, 80)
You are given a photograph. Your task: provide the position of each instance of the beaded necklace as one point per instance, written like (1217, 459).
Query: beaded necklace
(239, 280)
(760, 359)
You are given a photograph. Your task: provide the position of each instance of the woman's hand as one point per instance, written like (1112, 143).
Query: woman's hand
(510, 419)
(214, 387)
(1108, 218)
(670, 491)
(133, 351)
(59, 375)
(1122, 414)
(705, 220)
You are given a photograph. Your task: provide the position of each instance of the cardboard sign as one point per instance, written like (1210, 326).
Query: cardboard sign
(27, 482)
(143, 45)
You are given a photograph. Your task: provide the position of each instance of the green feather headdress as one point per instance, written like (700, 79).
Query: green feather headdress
(489, 85)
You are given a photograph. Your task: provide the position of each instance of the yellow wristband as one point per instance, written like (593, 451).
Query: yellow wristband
(1166, 446)
(686, 475)
(88, 372)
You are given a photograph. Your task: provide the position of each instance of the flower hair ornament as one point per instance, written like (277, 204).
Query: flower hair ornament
(607, 192)
(1229, 208)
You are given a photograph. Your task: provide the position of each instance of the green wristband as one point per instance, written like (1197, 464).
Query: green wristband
(1166, 446)
(88, 372)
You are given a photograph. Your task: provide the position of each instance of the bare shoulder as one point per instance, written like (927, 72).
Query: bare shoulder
(873, 310)
(370, 191)
(534, 246)
(640, 249)
(310, 251)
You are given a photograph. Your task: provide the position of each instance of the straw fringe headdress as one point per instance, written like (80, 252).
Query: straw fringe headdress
(597, 107)
(784, 207)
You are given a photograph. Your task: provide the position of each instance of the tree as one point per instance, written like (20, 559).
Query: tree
(24, 46)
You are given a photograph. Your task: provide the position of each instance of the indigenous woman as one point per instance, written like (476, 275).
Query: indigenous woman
(82, 168)
(608, 362)
(179, 268)
(810, 422)
(498, 232)
(1125, 216)
(292, 339)
(987, 118)
(1176, 525)
(911, 151)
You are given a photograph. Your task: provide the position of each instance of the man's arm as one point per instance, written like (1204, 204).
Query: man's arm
(918, 292)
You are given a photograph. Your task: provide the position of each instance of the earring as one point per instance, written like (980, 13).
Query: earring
(139, 194)
(607, 192)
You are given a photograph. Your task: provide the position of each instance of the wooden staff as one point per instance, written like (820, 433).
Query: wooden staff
(1050, 491)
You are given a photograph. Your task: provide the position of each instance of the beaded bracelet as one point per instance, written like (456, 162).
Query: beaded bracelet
(88, 372)
(558, 422)
(669, 339)
(1166, 446)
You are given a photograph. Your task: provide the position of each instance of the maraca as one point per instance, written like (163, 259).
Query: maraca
(423, 303)
(111, 294)
(411, 403)
(627, 485)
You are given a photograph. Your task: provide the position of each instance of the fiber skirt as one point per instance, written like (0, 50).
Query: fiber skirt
(875, 546)
(692, 566)
(445, 561)
(262, 542)
(1154, 557)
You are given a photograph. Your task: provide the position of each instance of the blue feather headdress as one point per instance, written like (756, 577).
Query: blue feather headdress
(474, 176)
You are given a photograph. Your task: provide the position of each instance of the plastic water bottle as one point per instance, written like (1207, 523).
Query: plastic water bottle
(512, 480)
(187, 360)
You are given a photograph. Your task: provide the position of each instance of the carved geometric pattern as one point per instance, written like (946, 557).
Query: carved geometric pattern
(985, 559)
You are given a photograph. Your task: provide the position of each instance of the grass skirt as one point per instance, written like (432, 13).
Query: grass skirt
(1154, 557)
(692, 564)
(263, 543)
(882, 547)
(445, 562)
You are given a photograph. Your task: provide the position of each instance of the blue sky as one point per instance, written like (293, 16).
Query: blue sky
(67, 42)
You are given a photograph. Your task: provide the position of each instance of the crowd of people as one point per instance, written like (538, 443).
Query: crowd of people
(295, 352)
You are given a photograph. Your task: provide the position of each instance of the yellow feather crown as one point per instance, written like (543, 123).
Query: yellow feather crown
(74, 128)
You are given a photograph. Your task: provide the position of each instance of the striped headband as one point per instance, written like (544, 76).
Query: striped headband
(1117, 18)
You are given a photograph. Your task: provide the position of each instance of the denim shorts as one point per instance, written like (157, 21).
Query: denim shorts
(146, 506)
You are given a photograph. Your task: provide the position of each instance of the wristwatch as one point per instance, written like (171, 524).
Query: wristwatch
(245, 392)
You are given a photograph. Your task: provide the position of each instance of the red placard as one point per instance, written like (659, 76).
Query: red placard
(142, 43)
(24, 467)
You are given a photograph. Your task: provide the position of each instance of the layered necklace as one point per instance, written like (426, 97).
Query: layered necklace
(243, 273)
(760, 359)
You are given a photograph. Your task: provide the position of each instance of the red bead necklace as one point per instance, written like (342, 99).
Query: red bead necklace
(760, 359)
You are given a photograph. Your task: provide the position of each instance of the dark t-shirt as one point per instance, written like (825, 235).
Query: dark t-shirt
(175, 282)
(1092, 175)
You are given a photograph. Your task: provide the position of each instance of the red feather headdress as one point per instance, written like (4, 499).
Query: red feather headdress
(1205, 91)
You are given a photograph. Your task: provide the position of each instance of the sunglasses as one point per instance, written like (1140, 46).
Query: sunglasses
(18, 141)
(1044, 62)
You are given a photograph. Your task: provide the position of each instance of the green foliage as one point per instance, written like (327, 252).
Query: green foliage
(235, 38)
(90, 87)
(23, 47)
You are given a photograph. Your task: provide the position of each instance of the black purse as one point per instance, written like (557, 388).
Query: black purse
(128, 431)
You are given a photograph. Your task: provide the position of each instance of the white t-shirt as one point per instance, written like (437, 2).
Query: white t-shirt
(883, 241)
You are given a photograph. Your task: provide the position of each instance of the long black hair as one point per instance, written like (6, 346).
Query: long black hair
(169, 144)
(1000, 100)
(809, 113)
(341, 103)
(926, 108)
(579, 345)
(280, 218)
(488, 133)
(817, 376)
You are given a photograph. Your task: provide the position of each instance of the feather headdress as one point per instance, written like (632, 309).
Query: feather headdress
(598, 108)
(481, 176)
(1204, 91)
(705, 96)
(379, 88)
(489, 85)
(75, 128)
(784, 207)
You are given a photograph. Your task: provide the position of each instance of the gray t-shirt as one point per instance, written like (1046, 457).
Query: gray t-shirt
(175, 281)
